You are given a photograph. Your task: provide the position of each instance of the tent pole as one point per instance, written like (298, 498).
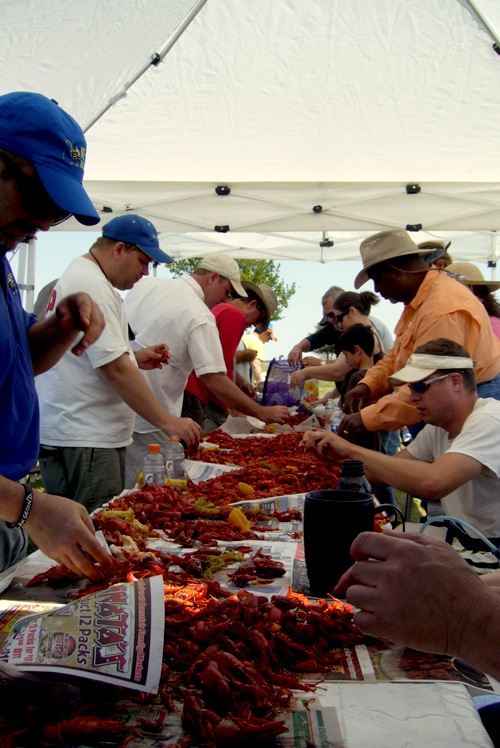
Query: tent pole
(155, 60)
(487, 26)
(495, 253)
(30, 275)
(26, 272)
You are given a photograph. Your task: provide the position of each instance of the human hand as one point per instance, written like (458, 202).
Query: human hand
(312, 361)
(79, 311)
(417, 591)
(326, 444)
(350, 426)
(357, 398)
(153, 357)
(247, 354)
(295, 355)
(247, 388)
(63, 530)
(187, 430)
(297, 378)
(274, 413)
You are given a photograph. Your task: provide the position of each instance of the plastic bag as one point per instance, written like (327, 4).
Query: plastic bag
(277, 390)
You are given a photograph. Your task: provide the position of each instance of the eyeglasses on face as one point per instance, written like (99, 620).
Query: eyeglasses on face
(421, 387)
(337, 318)
(36, 201)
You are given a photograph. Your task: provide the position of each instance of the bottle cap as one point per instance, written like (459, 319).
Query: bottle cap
(174, 438)
(153, 447)
(352, 468)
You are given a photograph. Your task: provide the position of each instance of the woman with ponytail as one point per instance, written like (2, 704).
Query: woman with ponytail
(350, 308)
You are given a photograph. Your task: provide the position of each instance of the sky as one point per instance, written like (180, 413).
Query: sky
(55, 251)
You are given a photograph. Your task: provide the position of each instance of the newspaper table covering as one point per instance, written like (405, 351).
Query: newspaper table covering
(113, 636)
(354, 715)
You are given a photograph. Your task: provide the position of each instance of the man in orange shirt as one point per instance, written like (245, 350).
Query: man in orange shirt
(436, 306)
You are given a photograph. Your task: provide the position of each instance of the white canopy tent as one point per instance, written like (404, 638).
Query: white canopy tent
(284, 129)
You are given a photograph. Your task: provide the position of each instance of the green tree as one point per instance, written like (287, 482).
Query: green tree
(257, 271)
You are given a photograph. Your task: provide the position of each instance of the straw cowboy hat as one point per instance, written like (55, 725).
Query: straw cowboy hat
(268, 298)
(470, 275)
(439, 251)
(386, 245)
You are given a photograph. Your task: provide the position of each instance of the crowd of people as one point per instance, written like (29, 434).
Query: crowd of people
(441, 376)
(112, 376)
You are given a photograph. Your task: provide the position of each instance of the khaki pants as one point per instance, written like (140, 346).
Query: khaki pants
(13, 545)
(88, 475)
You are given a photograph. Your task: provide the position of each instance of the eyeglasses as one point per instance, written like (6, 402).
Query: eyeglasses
(421, 387)
(34, 197)
(337, 317)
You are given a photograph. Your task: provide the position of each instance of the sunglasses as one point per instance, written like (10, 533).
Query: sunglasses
(421, 387)
(36, 201)
(337, 317)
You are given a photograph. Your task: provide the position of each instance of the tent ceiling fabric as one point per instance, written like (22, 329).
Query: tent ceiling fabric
(290, 104)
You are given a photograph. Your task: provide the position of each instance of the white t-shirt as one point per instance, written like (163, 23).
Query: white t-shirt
(478, 500)
(78, 405)
(173, 311)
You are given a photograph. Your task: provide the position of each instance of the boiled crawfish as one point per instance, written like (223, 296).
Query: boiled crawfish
(258, 567)
(223, 732)
(70, 731)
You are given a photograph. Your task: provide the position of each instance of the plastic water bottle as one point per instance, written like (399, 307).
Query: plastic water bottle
(175, 463)
(336, 419)
(154, 466)
(329, 408)
(353, 478)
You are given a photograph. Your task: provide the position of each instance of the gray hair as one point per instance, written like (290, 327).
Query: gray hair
(332, 293)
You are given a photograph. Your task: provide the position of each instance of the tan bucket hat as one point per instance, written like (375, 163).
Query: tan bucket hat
(470, 275)
(386, 245)
(268, 298)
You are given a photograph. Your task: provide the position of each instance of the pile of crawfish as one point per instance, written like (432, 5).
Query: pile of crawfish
(200, 513)
(230, 661)
(279, 452)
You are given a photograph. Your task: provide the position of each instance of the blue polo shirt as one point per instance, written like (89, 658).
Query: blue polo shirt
(19, 416)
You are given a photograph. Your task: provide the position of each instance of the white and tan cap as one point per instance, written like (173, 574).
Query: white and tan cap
(226, 267)
(422, 365)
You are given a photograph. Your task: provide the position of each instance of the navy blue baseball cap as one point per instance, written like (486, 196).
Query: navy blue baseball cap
(37, 129)
(133, 229)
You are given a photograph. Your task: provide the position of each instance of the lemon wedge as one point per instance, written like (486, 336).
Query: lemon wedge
(245, 488)
(236, 517)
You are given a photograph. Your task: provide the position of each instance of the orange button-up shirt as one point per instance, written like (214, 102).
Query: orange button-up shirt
(442, 308)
